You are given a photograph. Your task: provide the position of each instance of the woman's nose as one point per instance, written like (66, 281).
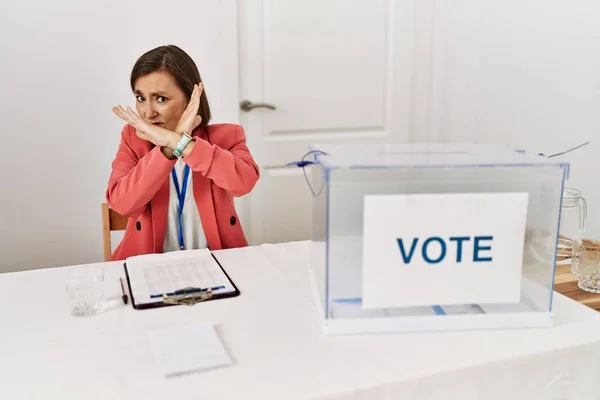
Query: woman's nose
(149, 111)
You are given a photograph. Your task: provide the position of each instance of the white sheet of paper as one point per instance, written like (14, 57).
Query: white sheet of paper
(155, 274)
(188, 349)
(455, 276)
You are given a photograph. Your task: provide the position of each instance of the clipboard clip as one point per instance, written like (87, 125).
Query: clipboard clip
(188, 296)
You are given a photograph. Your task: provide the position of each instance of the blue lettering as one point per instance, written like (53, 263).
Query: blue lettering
(477, 248)
(431, 257)
(403, 251)
(459, 240)
(426, 247)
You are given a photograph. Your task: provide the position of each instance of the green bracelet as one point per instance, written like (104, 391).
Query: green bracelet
(185, 139)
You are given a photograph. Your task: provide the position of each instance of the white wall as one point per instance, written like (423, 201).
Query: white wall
(63, 65)
(521, 72)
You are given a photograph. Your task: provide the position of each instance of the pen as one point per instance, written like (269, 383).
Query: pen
(124, 297)
(180, 292)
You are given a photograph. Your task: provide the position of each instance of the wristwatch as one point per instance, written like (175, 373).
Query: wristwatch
(185, 139)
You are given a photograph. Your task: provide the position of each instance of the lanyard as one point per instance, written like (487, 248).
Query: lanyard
(181, 198)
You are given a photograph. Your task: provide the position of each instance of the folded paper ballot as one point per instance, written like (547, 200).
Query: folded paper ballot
(188, 349)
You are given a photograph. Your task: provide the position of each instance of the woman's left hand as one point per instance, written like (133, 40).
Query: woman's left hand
(144, 130)
(190, 119)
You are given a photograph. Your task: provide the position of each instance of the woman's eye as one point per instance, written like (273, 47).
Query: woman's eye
(161, 99)
(139, 98)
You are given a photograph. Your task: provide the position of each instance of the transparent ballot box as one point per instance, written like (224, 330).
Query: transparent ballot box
(424, 237)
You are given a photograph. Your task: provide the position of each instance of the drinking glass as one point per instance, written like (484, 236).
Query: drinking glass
(588, 256)
(85, 291)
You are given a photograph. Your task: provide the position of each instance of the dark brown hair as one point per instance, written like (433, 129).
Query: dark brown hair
(182, 68)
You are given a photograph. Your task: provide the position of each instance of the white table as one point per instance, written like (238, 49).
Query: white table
(273, 333)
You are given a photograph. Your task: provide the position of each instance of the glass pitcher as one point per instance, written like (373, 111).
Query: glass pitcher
(572, 225)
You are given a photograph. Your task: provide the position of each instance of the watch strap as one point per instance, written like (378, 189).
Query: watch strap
(181, 144)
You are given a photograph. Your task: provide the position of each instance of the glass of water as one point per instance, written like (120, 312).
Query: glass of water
(588, 256)
(85, 291)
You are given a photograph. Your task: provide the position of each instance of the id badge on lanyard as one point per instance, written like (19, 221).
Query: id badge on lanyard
(181, 199)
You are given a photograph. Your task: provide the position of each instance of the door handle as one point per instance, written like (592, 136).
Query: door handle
(247, 105)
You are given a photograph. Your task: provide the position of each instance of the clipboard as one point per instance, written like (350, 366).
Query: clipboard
(197, 297)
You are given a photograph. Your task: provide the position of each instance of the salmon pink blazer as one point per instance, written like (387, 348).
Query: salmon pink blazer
(221, 167)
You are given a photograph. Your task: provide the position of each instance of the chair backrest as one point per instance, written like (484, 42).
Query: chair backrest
(111, 221)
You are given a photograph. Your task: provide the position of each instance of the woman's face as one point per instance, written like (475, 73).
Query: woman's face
(159, 100)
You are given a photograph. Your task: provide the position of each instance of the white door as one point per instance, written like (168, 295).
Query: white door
(335, 71)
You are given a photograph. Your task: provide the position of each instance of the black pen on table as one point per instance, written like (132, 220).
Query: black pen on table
(124, 297)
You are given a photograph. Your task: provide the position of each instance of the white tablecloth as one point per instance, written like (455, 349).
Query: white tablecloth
(273, 333)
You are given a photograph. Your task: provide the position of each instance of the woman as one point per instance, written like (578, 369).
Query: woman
(174, 175)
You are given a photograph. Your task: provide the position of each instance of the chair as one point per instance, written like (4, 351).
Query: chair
(111, 221)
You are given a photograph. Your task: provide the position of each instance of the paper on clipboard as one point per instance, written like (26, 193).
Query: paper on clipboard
(152, 275)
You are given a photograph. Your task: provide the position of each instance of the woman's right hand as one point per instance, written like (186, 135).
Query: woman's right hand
(159, 136)
(190, 119)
